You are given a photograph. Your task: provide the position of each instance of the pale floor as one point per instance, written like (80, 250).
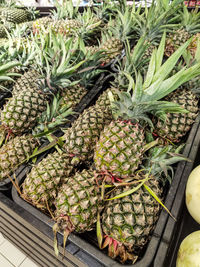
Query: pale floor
(11, 256)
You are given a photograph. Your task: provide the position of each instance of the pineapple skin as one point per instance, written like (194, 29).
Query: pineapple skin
(178, 124)
(21, 111)
(15, 15)
(14, 152)
(131, 219)
(175, 40)
(25, 82)
(73, 95)
(113, 48)
(41, 184)
(78, 202)
(119, 149)
(81, 138)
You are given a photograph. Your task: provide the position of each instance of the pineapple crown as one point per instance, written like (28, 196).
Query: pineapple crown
(5, 75)
(189, 61)
(142, 96)
(105, 11)
(153, 21)
(189, 20)
(122, 27)
(64, 62)
(66, 10)
(132, 61)
(90, 25)
(54, 116)
(20, 49)
(159, 159)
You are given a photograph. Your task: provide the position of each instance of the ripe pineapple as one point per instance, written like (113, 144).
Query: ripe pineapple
(81, 138)
(103, 101)
(128, 222)
(177, 125)
(65, 27)
(15, 15)
(120, 148)
(41, 184)
(190, 27)
(73, 94)
(41, 23)
(25, 82)
(77, 203)
(20, 112)
(14, 152)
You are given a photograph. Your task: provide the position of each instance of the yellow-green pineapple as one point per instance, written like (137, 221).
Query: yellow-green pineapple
(120, 148)
(189, 26)
(78, 203)
(128, 222)
(14, 152)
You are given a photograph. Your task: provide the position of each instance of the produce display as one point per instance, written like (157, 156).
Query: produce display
(109, 170)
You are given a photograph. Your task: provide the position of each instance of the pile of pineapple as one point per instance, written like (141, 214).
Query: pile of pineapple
(109, 169)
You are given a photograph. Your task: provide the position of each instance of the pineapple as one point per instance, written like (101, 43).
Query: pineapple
(103, 101)
(177, 125)
(189, 27)
(41, 23)
(151, 24)
(73, 95)
(19, 148)
(14, 152)
(21, 111)
(15, 15)
(65, 27)
(78, 203)
(120, 148)
(117, 32)
(41, 184)
(81, 138)
(25, 82)
(127, 222)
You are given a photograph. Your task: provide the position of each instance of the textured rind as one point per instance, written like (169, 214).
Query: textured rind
(103, 100)
(119, 149)
(112, 47)
(81, 138)
(25, 82)
(73, 94)
(80, 200)
(21, 111)
(131, 219)
(15, 15)
(178, 124)
(175, 40)
(14, 152)
(42, 182)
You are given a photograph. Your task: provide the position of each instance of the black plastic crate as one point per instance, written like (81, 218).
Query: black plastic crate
(86, 101)
(176, 231)
(100, 256)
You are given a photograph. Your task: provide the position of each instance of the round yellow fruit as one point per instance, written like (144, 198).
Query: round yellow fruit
(189, 251)
(192, 194)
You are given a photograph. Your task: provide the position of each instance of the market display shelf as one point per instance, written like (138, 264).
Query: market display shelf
(34, 237)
